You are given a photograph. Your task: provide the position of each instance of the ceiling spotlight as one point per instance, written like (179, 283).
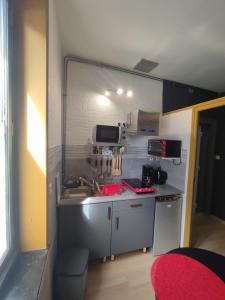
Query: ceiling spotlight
(107, 93)
(119, 91)
(129, 93)
(103, 100)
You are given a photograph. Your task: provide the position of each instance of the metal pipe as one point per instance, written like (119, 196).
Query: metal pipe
(65, 69)
(109, 66)
(71, 58)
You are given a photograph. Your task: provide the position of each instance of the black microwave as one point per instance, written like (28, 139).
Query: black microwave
(106, 134)
(164, 148)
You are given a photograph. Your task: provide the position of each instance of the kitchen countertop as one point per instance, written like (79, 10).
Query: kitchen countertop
(162, 190)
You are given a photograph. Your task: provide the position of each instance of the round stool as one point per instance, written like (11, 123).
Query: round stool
(189, 273)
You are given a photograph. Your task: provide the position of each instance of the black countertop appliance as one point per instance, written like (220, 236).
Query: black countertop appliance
(153, 175)
(147, 175)
(160, 176)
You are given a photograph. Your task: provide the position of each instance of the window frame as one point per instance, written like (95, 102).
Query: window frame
(11, 254)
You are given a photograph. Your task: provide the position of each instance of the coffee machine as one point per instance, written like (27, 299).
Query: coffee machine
(160, 176)
(153, 175)
(147, 176)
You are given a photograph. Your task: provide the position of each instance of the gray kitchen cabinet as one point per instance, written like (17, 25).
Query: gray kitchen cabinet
(132, 225)
(87, 225)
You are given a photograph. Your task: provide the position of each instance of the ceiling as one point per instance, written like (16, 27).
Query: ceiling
(186, 37)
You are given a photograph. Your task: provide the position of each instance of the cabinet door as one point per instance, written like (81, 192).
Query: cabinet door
(132, 226)
(87, 226)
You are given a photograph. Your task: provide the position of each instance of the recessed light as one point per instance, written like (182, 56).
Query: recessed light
(129, 93)
(119, 91)
(107, 93)
(103, 100)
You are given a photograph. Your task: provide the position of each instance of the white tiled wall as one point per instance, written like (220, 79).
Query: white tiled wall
(54, 145)
(54, 117)
(86, 107)
(177, 126)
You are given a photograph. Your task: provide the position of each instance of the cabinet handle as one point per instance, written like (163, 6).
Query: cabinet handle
(109, 213)
(117, 223)
(136, 205)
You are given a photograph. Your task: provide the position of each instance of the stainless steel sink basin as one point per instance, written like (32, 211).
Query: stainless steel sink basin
(78, 193)
(81, 193)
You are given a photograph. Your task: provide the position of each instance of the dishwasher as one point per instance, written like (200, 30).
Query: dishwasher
(167, 227)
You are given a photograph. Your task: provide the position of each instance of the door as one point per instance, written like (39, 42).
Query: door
(87, 226)
(194, 206)
(205, 166)
(132, 225)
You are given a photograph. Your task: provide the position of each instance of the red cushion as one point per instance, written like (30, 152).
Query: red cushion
(178, 277)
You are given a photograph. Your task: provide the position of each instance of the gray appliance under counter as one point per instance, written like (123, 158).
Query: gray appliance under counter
(167, 228)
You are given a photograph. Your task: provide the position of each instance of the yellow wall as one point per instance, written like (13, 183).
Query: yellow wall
(31, 96)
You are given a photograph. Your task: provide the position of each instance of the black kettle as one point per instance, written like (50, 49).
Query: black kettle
(160, 176)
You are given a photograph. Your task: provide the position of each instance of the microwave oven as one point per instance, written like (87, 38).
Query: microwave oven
(164, 148)
(106, 134)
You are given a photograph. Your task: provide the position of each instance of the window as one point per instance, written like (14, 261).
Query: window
(5, 227)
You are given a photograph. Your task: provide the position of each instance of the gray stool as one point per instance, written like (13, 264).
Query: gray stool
(71, 274)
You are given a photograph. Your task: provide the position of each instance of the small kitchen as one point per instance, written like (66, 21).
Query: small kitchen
(112, 120)
(123, 166)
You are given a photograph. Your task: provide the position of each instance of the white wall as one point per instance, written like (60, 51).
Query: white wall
(54, 116)
(54, 80)
(86, 108)
(54, 144)
(178, 126)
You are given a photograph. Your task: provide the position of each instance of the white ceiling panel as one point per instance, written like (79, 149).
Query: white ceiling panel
(186, 38)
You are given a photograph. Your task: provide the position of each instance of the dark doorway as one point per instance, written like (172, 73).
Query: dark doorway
(205, 167)
(208, 220)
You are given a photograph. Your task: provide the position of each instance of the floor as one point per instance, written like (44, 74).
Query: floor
(126, 278)
(208, 232)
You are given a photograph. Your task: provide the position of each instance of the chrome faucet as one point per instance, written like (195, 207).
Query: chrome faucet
(92, 184)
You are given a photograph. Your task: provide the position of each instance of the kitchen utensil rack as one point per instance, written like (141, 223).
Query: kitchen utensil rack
(105, 160)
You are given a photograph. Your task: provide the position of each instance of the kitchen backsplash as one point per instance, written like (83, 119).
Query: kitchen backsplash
(133, 160)
(176, 173)
(134, 157)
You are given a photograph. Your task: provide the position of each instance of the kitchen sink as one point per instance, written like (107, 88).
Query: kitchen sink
(84, 192)
(78, 193)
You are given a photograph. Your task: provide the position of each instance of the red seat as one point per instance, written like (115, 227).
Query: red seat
(183, 275)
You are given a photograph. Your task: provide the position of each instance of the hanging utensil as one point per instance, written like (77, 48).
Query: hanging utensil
(113, 167)
(118, 173)
(97, 167)
(110, 167)
(121, 159)
(101, 168)
(117, 165)
(106, 167)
